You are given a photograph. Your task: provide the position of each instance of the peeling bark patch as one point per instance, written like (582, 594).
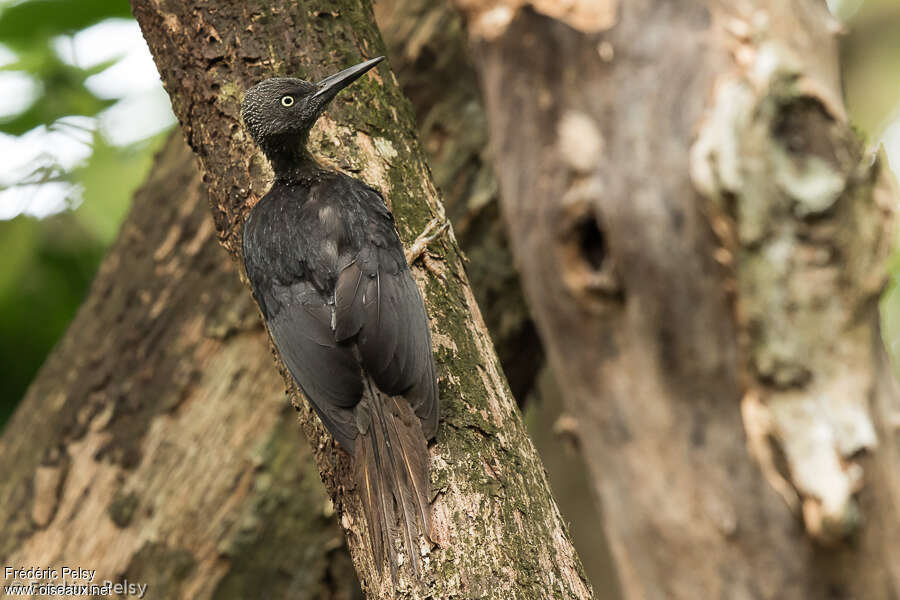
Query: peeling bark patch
(781, 166)
(48, 481)
(819, 154)
(337, 140)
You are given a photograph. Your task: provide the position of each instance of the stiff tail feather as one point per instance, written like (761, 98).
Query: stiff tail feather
(391, 471)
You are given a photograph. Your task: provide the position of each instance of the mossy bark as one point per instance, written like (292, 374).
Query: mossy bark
(703, 243)
(428, 44)
(498, 532)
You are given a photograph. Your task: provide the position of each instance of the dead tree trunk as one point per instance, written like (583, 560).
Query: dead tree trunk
(702, 241)
(498, 531)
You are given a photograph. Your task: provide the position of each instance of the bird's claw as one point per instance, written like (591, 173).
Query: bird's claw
(435, 228)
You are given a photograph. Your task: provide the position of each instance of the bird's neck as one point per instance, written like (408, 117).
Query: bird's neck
(295, 167)
(292, 162)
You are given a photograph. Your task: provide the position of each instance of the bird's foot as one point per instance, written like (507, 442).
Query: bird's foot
(435, 228)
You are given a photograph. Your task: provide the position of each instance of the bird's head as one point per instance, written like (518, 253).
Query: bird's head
(279, 112)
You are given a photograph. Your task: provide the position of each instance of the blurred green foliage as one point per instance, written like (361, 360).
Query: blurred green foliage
(28, 29)
(34, 22)
(48, 264)
(47, 267)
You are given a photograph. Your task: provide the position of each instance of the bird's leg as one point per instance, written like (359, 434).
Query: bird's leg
(435, 228)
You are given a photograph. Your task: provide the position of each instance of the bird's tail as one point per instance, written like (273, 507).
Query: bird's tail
(391, 470)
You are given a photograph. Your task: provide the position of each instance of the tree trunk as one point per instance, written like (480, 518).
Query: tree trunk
(156, 444)
(498, 531)
(702, 242)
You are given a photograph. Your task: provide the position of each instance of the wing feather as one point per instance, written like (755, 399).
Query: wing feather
(326, 371)
(377, 297)
(372, 319)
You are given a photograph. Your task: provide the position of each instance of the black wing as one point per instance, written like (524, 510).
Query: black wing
(327, 372)
(376, 315)
(298, 314)
(377, 301)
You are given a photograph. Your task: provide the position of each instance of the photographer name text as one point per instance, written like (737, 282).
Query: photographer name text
(65, 581)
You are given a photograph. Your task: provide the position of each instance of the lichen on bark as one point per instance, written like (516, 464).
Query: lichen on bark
(792, 199)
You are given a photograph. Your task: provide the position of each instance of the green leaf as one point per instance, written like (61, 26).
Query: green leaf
(47, 109)
(63, 93)
(109, 179)
(102, 66)
(25, 23)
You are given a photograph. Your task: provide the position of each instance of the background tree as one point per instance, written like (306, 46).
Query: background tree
(713, 312)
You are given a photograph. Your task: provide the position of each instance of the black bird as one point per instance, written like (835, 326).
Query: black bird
(329, 273)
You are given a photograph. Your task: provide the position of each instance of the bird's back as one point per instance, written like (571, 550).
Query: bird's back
(329, 272)
(330, 275)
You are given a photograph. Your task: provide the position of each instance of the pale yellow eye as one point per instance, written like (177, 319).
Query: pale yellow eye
(287, 100)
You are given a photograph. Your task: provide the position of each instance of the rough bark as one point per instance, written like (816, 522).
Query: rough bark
(498, 531)
(702, 241)
(156, 444)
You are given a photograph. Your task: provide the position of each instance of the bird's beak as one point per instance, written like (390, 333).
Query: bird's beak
(330, 86)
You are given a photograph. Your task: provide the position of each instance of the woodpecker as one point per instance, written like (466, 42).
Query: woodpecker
(328, 270)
